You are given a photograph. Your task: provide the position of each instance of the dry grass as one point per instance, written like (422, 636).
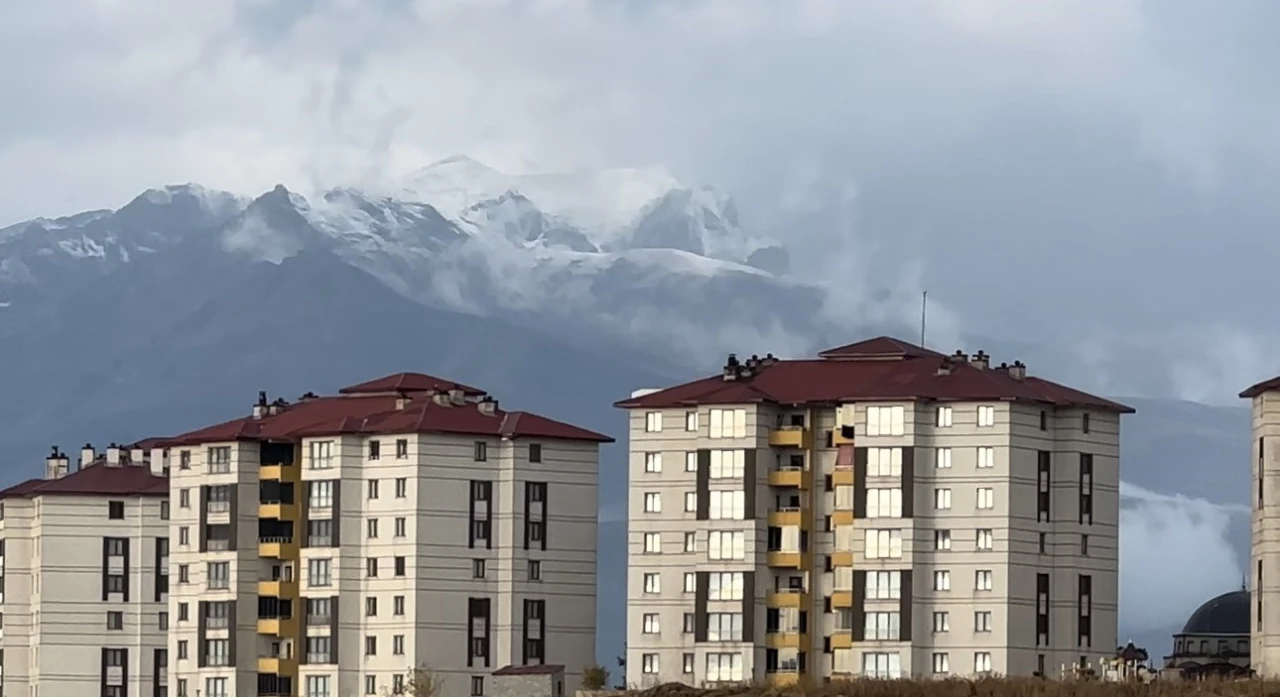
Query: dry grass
(990, 687)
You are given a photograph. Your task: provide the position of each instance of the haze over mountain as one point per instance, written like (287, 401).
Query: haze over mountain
(560, 293)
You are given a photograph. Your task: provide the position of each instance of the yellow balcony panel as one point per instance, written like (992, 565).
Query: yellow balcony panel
(842, 599)
(277, 665)
(791, 437)
(783, 640)
(277, 548)
(842, 476)
(842, 640)
(270, 627)
(842, 559)
(282, 473)
(278, 589)
(787, 598)
(280, 511)
(787, 560)
(842, 436)
(783, 679)
(841, 518)
(792, 477)
(787, 517)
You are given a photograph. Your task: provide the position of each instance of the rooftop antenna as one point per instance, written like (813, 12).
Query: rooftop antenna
(924, 309)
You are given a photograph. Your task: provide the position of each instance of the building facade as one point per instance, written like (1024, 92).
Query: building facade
(1264, 571)
(332, 546)
(882, 510)
(84, 579)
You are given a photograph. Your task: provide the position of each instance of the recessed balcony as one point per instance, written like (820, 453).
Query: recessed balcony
(841, 559)
(278, 510)
(278, 589)
(842, 599)
(783, 640)
(789, 476)
(791, 437)
(841, 518)
(842, 435)
(842, 476)
(786, 560)
(787, 598)
(787, 517)
(841, 640)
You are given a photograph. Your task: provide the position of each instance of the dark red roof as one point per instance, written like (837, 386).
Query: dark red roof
(409, 382)
(370, 412)
(1264, 386)
(96, 480)
(880, 369)
(547, 669)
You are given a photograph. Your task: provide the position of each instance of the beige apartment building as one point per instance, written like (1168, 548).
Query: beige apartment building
(84, 579)
(1264, 583)
(881, 510)
(328, 546)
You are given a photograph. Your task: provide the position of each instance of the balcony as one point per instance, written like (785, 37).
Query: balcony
(841, 559)
(842, 476)
(783, 639)
(277, 665)
(786, 560)
(278, 589)
(841, 518)
(277, 547)
(842, 435)
(789, 476)
(791, 437)
(787, 517)
(780, 679)
(278, 510)
(281, 473)
(787, 598)
(270, 626)
(841, 639)
(842, 599)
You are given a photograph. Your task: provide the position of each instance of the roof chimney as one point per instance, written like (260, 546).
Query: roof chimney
(732, 368)
(260, 407)
(113, 455)
(944, 368)
(768, 360)
(960, 356)
(980, 360)
(277, 406)
(457, 397)
(137, 456)
(56, 465)
(159, 462)
(441, 398)
(1018, 370)
(87, 456)
(487, 405)
(402, 401)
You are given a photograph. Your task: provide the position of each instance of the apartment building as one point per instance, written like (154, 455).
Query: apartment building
(84, 578)
(328, 546)
(1264, 582)
(881, 510)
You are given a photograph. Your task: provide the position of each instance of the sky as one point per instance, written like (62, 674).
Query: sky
(1098, 176)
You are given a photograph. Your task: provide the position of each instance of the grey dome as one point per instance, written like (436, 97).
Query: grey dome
(1225, 614)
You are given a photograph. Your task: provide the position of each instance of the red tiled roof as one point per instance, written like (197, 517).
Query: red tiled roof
(96, 480)
(880, 369)
(369, 412)
(547, 669)
(409, 382)
(1264, 386)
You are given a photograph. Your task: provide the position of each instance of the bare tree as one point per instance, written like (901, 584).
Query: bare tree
(419, 682)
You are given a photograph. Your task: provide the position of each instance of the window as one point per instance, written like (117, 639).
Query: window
(982, 621)
(728, 464)
(182, 649)
(371, 567)
(184, 498)
(942, 458)
(477, 568)
(691, 421)
(883, 544)
(985, 539)
(882, 626)
(317, 685)
(184, 573)
(402, 448)
(689, 623)
(728, 505)
(481, 451)
(371, 646)
(317, 647)
(375, 449)
(884, 503)
(690, 582)
(884, 462)
(217, 687)
(318, 573)
(162, 620)
(724, 626)
(942, 580)
(649, 663)
(115, 510)
(883, 665)
(371, 528)
(321, 454)
(1084, 545)
(986, 416)
(398, 565)
(941, 499)
(1084, 422)
(690, 542)
(726, 545)
(219, 575)
(653, 462)
(986, 457)
(1044, 543)
(941, 622)
(944, 417)
(884, 585)
(397, 684)
(941, 664)
(183, 612)
(724, 585)
(690, 502)
(217, 652)
(651, 623)
(219, 459)
(115, 620)
(653, 421)
(652, 583)
(982, 662)
(321, 494)
(885, 421)
(372, 487)
(397, 645)
(477, 686)
(652, 502)
(402, 487)
(371, 607)
(942, 539)
(370, 684)
(982, 580)
(986, 498)
(164, 510)
(184, 459)
(397, 606)
(184, 536)
(401, 527)
(691, 461)
(652, 543)
(535, 452)
(723, 667)
(727, 423)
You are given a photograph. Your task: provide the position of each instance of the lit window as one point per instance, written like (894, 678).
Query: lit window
(986, 457)
(982, 662)
(986, 416)
(944, 417)
(986, 498)
(885, 421)
(942, 458)
(652, 502)
(982, 580)
(652, 583)
(942, 580)
(652, 543)
(985, 539)
(941, 499)
(691, 421)
(884, 462)
(653, 462)
(653, 421)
